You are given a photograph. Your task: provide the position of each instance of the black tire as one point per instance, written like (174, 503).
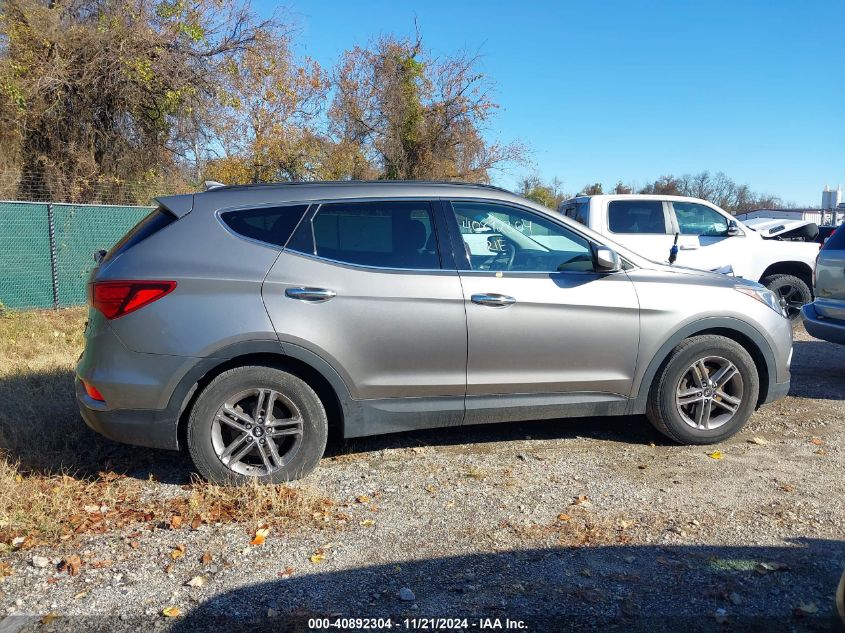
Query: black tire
(663, 410)
(791, 289)
(304, 404)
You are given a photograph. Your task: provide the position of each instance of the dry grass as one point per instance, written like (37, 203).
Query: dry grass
(59, 479)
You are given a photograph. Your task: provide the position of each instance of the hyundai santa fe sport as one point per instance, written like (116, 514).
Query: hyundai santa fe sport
(245, 322)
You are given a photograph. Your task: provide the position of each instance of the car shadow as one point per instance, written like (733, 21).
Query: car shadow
(619, 587)
(818, 370)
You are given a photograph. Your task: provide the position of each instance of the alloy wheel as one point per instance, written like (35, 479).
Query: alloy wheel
(709, 393)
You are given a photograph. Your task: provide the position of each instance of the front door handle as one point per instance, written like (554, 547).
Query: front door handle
(494, 300)
(311, 295)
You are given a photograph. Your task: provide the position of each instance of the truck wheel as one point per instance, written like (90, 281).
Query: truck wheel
(705, 391)
(792, 292)
(256, 423)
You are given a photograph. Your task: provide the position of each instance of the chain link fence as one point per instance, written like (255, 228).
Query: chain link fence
(47, 249)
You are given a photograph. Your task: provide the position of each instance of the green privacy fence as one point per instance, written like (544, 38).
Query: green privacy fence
(46, 249)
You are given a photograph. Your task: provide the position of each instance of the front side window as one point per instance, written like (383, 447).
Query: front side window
(266, 224)
(636, 216)
(379, 234)
(500, 237)
(698, 219)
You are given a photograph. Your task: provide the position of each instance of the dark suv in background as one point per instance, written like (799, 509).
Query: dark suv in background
(825, 317)
(244, 321)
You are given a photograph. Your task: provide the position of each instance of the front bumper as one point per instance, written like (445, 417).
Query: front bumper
(832, 330)
(777, 390)
(141, 427)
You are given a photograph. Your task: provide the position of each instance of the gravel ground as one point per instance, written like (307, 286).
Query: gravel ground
(593, 524)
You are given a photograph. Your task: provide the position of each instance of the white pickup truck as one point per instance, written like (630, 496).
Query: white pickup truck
(707, 238)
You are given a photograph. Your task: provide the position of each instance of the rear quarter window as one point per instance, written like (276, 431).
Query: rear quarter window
(836, 242)
(273, 225)
(150, 225)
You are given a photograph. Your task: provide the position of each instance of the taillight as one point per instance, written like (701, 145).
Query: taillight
(117, 298)
(92, 391)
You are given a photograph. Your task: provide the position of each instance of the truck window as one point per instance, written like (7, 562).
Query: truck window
(697, 219)
(636, 216)
(578, 211)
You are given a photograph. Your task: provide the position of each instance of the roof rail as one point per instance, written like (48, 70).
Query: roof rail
(211, 185)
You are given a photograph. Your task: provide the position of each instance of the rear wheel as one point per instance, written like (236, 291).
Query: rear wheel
(792, 292)
(256, 423)
(705, 391)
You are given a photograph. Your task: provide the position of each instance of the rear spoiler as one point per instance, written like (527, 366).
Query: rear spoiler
(179, 206)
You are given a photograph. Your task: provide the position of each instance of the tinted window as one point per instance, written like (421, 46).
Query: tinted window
(579, 211)
(501, 237)
(267, 224)
(153, 223)
(836, 242)
(697, 219)
(382, 234)
(636, 216)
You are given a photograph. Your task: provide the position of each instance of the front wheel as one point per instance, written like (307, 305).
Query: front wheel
(256, 423)
(705, 391)
(792, 292)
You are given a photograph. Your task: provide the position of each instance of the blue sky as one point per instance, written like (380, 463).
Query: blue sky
(603, 91)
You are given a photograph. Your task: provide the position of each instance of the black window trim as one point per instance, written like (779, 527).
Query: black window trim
(257, 207)
(446, 266)
(454, 230)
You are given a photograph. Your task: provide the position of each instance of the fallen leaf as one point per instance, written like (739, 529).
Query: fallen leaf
(175, 521)
(49, 617)
(171, 612)
(760, 441)
(168, 568)
(196, 522)
(261, 535)
(178, 553)
(198, 581)
(581, 500)
(318, 556)
(134, 544)
(362, 499)
(787, 487)
(715, 455)
(71, 565)
(206, 558)
(563, 517)
(817, 441)
(806, 609)
(91, 509)
(821, 451)
(367, 522)
(6, 570)
(287, 571)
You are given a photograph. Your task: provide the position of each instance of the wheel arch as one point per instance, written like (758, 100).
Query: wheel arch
(740, 331)
(802, 270)
(308, 366)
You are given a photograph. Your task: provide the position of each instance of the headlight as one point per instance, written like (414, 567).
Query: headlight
(763, 295)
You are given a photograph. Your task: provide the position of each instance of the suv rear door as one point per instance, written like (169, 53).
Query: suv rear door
(361, 284)
(544, 329)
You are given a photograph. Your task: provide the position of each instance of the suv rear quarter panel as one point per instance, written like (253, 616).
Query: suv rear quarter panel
(217, 300)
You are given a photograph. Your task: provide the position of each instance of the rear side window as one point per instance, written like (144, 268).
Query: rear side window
(636, 216)
(579, 211)
(380, 234)
(151, 224)
(266, 224)
(836, 242)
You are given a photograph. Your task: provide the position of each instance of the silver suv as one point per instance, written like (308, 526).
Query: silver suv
(246, 321)
(825, 317)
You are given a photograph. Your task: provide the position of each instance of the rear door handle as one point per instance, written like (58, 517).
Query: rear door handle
(493, 299)
(311, 295)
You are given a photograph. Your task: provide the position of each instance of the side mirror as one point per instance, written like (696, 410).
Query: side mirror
(733, 228)
(606, 260)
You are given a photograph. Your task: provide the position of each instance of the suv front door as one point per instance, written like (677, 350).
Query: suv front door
(544, 329)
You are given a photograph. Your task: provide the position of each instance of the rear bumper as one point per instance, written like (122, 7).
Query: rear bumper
(777, 390)
(832, 330)
(142, 427)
